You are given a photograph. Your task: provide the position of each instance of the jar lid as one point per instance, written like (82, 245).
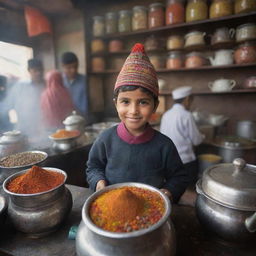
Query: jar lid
(140, 8)
(246, 25)
(231, 184)
(11, 137)
(174, 54)
(98, 17)
(199, 54)
(110, 15)
(73, 119)
(194, 33)
(156, 5)
(124, 12)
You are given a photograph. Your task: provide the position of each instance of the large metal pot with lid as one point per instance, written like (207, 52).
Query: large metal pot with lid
(226, 202)
(156, 240)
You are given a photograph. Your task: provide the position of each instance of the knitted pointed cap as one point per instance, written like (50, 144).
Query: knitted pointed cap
(138, 70)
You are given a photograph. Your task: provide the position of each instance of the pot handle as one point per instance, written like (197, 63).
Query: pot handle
(199, 187)
(232, 32)
(239, 164)
(233, 84)
(250, 223)
(210, 85)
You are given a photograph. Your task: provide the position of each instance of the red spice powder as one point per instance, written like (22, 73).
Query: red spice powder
(35, 180)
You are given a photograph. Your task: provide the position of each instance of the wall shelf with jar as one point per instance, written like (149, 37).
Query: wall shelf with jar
(232, 19)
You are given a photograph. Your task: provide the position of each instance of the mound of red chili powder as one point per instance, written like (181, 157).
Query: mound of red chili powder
(127, 209)
(35, 180)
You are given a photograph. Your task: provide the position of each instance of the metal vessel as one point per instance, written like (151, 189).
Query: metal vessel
(157, 240)
(226, 202)
(39, 214)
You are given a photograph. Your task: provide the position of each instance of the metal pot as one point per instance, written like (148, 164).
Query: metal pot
(39, 214)
(157, 240)
(12, 142)
(75, 122)
(246, 129)
(226, 202)
(3, 208)
(231, 147)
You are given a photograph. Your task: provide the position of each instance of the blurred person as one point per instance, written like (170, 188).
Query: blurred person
(179, 125)
(24, 98)
(56, 103)
(75, 82)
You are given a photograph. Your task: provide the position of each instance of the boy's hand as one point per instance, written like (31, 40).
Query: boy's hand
(101, 184)
(167, 193)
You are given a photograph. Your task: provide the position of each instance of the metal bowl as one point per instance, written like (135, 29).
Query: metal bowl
(3, 207)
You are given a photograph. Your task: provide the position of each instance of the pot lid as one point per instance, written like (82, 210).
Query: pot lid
(11, 137)
(232, 184)
(74, 119)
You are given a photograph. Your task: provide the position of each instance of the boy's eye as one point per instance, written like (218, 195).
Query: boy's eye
(124, 101)
(144, 102)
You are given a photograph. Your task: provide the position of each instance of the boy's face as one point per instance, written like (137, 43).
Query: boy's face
(135, 109)
(36, 74)
(70, 70)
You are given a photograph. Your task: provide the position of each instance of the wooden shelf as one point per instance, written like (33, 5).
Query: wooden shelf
(179, 26)
(164, 70)
(201, 93)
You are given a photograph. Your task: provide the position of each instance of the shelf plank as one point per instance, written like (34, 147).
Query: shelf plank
(164, 70)
(181, 25)
(201, 93)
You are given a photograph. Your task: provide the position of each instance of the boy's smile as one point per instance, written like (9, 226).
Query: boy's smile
(135, 109)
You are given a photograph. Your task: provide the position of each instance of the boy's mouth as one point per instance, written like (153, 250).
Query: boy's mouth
(133, 119)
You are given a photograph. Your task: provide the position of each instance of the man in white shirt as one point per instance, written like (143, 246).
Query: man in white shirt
(178, 124)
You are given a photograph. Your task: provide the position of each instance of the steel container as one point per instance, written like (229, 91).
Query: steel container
(157, 240)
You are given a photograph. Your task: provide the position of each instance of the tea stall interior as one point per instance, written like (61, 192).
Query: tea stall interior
(217, 111)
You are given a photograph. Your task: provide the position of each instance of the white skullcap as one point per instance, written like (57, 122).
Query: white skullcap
(181, 92)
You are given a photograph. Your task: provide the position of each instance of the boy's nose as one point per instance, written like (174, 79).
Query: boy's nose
(134, 109)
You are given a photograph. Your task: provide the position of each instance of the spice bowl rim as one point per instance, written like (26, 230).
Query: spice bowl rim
(123, 235)
(67, 139)
(27, 165)
(15, 175)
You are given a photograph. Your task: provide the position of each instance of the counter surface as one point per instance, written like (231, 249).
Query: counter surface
(191, 239)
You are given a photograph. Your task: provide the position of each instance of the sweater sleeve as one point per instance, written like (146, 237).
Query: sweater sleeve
(177, 179)
(96, 164)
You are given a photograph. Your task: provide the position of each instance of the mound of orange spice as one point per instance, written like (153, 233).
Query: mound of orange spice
(127, 209)
(35, 180)
(64, 134)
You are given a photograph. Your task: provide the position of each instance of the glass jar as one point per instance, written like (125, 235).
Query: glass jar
(115, 45)
(174, 60)
(195, 38)
(196, 10)
(98, 64)
(223, 35)
(221, 8)
(156, 15)
(153, 43)
(97, 45)
(175, 42)
(157, 61)
(139, 18)
(194, 60)
(98, 26)
(111, 23)
(246, 32)
(117, 63)
(124, 21)
(245, 53)
(245, 6)
(175, 12)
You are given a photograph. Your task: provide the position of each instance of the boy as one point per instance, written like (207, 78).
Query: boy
(133, 151)
(74, 82)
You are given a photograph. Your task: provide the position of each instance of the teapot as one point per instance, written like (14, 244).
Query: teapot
(75, 122)
(222, 85)
(222, 57)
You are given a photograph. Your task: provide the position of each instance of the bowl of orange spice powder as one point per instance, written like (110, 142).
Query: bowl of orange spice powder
(38, 200)
(126, 219)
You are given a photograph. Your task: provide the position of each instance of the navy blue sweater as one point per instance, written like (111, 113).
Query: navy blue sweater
(155, 162)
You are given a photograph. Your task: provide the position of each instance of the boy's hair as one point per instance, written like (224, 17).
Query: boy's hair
(35, 64)
(127, 88)
(68, 58)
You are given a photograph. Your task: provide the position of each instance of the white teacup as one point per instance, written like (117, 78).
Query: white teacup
(222, 85)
